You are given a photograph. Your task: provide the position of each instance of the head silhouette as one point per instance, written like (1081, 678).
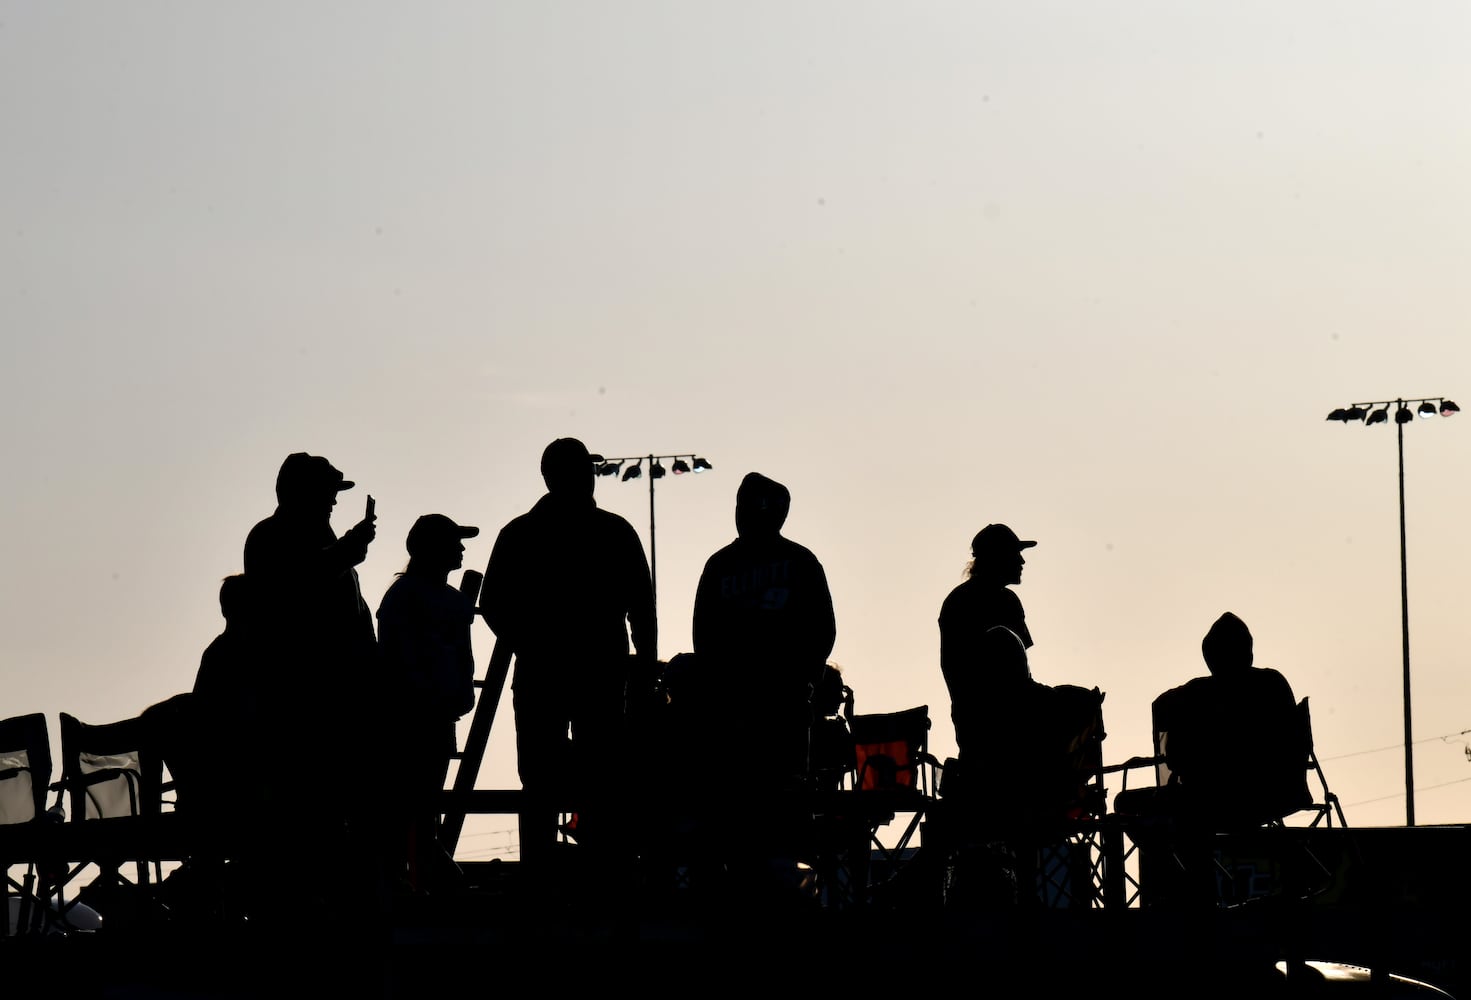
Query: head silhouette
(996, 553)
(1004, 652)
(309, 481)
(234, 598)
(436, 542)
(566, 468)
(1227, 646)
(761, 507)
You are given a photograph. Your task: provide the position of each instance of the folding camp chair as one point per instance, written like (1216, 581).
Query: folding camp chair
(1021, 811)
(894, 774)
(25, 776)
(1152, 810)
(112, 781)
(1324, 805)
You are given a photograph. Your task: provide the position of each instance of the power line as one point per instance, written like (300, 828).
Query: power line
(1398, 795)
(1397, 746)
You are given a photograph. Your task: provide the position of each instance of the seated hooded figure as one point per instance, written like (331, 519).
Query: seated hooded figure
(1233, 741)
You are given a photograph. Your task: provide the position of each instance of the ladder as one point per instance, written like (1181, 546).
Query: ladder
(487, 699)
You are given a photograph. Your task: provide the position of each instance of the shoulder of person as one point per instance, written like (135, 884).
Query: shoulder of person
(799, 550)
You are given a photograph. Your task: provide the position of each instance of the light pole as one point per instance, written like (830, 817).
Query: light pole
(1405, 410)
(679, 466)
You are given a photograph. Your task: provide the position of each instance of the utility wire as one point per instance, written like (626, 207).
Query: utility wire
(1387, 798)
(1398, 746)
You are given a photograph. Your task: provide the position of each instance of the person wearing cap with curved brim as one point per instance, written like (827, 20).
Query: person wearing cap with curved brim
(424, 627)
(317, 646)
(982, 601)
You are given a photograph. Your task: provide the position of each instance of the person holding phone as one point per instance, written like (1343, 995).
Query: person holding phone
(317, 646)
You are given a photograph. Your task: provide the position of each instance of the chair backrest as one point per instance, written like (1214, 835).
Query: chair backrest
(891, 751)
(110, 770)
(1273, 796)
(25, 768)
(1325, 805)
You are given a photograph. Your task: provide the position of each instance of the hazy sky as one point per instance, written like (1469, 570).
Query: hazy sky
(1098, 271)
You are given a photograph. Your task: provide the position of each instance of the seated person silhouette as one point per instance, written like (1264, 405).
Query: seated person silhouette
(1027, 753)
(1232, 742)
(1034, 743)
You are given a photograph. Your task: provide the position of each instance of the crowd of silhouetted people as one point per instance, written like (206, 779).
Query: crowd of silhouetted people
(331, 726)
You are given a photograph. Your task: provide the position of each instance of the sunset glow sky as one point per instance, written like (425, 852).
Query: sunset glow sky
(1096, 271)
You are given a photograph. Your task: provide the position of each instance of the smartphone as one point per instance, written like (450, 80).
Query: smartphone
(368, 512)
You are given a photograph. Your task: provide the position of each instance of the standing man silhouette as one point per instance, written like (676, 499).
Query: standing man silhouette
(566, 584)
(984, 600)
(763, 620)
(318, 652)
(763, 629)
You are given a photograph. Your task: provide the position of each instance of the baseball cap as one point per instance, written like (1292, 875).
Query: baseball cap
(433, 531)
(303, 473)
(997, 538)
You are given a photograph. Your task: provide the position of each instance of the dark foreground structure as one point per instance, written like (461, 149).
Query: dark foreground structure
(887, 876)
(1296, 912)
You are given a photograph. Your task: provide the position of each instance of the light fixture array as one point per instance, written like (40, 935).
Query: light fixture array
(679, 465)
(1405, 410)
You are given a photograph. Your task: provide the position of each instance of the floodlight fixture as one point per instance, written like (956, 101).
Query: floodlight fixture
(678, 465)
(1405, 410)
(1404, 413)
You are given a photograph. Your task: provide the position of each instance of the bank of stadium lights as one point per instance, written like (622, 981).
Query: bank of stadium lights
(1378, 413)
(1405, 411)
(678, 466)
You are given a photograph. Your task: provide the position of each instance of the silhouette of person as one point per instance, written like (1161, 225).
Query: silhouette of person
(981, 602)
(1233, 746)
(1035, 743)
(228, 714)
(1235, 755)
(764, 624)
(318, 656)
(1032, 738)
(429, 669)
(763, 619)
(566, 584)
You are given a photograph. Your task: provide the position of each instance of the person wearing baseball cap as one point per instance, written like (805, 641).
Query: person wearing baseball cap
(429, 668)
(311, 619)
(981, 602)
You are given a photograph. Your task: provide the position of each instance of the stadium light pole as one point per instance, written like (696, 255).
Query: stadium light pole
(679, 466)
(1378, 413)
